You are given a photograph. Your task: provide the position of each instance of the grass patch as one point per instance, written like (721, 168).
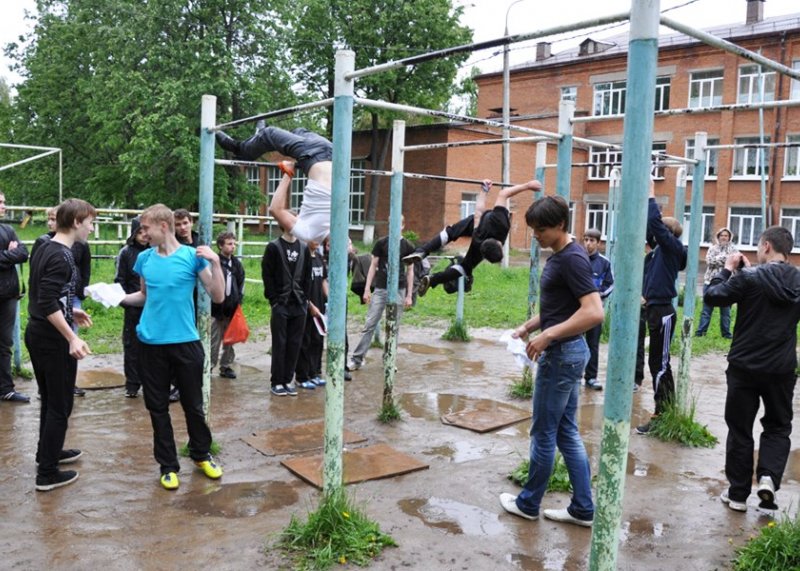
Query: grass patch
(337, 532)
(776, 548)
(214, 450)
(522, 389)
(559, 479)
(458, 331)
(676, 425)
(21, 372)
(389, 413)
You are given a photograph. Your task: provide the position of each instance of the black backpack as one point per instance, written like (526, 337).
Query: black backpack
(360, 269)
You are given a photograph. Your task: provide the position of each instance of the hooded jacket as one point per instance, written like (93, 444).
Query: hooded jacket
(9, 279)
(126, 277)
(717, 254)
(768, 298)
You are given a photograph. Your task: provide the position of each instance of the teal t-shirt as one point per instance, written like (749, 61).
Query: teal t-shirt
(168, 315)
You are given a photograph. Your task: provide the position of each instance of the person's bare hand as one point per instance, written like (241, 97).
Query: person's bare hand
(534, 185)
(12, 245)
(82, 319)
(78, 349)
(732, 261)
(537, 345)
(207, 253)
(367, 297)
(408, 302)
(519, 332)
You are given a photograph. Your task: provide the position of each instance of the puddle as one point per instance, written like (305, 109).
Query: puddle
(433, 406)
(642, 469)
(454, 518)
(245, 499)
(458, 452)
(641, 527)
(422, 349)
(96, 379)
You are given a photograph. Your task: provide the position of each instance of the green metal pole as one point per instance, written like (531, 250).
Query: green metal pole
(613, 213)
(629, 259)
(533, 281)
(208, 119)
(678, 209)
(17, 340)
(393, 272)
(460, 302)
(566, 111)
(337, 273)
(690, 292)
(761, 151)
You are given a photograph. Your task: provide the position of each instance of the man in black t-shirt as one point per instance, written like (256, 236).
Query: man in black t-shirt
(488, 231)
(52, 344)
(377, 276)
(569, 306)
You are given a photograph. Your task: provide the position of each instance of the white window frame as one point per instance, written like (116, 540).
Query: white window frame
(468, 202)
(712, 159)
(606, 157)
(709, 83)
(572, 217)
(597, 216)
(749, 159)
(569, 93)
(358, 182)
(662, 93)
(791, 160)
(706, 225)
(749, 91)
(609, 98)
(794, 93)
(746, 223)
(661, 148)
(253, 174)
(790, 219)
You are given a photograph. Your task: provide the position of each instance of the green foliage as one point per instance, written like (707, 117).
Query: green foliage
(389, 413)
(458, 331)
(522, 388)
(337, 532)
(776, 548)
(411, 236)
(559, 479)
(214, 450)
(676, 425)
(21, 372)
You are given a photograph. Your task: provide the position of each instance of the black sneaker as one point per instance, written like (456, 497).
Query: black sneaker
(348, 376)
(227, 373)
(424, 284)
(79, 392)
(417, 256)
(69, 456)
(643, 429)
(174, 395)
(131, 394)
(594, 384)
(227, 143)
(57, 480)
(14, 396)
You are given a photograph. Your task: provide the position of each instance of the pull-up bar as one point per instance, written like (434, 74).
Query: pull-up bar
(505, 40)
(454, 144)
(429, 177)
(280, 112)
(237, 163)
(750, 146)
(693, 110)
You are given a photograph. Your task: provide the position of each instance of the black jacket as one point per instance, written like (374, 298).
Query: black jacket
(277, 285)
(125, 276)
(234, 268)
(667, 259)
(83, 261)
(9, 279)
(768, 298)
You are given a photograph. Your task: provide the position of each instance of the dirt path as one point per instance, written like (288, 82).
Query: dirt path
(446, 517)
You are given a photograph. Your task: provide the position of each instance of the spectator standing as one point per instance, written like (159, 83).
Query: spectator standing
(233, 272)
(715, 262)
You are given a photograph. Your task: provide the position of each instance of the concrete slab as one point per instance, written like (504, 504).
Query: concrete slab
(295, 439)
(99, 379)
(362, 464)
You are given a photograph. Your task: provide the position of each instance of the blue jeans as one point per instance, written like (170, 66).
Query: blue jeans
(555, 404)
(705, 318)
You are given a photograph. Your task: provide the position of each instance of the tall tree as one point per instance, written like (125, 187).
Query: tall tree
(379, 31)
(117, 85)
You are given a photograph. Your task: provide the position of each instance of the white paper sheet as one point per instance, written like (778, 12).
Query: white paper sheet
(110, 295)
(517, 348)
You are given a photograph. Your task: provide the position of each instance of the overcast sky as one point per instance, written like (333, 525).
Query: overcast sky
(488, 17)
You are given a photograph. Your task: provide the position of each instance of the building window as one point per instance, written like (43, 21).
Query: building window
(705, 88)
(792, 158)
(659, 152)
(468, 201)
(790, 219)
(251, 208)
(706, 221)
(603, 160)
(755, 87)
(597, 217)
(795, 94)
(357, 193)
(572, 217)
(746, 225)
(609, 98)
(747, 160)
(662, 93)
(711, 158)
(569, 93)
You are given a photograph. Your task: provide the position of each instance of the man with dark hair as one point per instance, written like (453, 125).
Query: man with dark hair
(570, 305)
(52, 343)
(184, 224)
(313, 154)
(233, 273)
(762, 364)
(488, 231)
(170, 346)
(658, 290)
(131, 282)
(604, 282)
(12, 252)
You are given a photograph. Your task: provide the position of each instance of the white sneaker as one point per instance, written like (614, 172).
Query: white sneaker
(733, 504)
(563, 515)
(766, 490)
(354, 365)
(509, 503)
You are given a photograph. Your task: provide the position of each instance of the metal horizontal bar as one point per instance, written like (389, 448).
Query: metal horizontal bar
(593, 143)
(690, 110)
(236, 163)
(730, 47)
(280, 112)
(429, 177)
(477, 46)
(751, 146)
(456, 144)
(30, 159)
(452, 117)
(32, 147)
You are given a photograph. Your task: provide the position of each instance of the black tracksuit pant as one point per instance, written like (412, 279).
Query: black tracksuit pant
(660, 321)
(309, 363)
(287, 325)
(130, 349)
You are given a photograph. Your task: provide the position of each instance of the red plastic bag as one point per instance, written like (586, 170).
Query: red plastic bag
(237, 331)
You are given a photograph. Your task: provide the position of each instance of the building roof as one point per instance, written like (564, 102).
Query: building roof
(617, 45)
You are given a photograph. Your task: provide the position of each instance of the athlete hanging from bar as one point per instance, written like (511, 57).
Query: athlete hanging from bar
(488, 230)
(313, 154)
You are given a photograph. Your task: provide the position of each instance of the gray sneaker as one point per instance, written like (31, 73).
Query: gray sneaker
(733, 504)
(766, 492)
(594, 384)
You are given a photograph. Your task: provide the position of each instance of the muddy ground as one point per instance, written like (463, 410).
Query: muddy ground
(446, 517)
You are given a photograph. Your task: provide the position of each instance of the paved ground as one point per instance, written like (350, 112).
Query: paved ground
(446, 517)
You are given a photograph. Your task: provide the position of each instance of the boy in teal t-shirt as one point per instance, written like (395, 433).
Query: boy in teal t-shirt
(170, 345)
